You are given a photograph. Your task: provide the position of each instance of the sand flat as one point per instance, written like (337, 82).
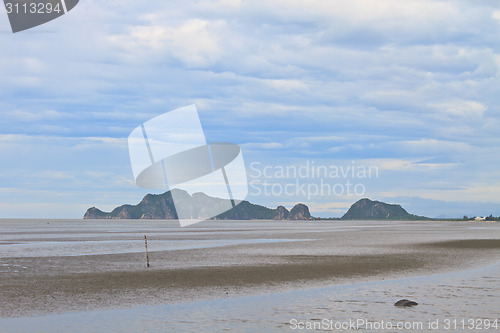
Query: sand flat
(324, 254)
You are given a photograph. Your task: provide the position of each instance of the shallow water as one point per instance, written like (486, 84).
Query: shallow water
(83, 248)
(39, 238)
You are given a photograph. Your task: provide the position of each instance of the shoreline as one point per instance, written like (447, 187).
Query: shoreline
(312, 220)
(326, 255)
(44, 294)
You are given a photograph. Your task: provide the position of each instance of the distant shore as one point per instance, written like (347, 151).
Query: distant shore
(37, 285)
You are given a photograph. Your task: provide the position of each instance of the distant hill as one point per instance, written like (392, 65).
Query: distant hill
(161, 206)
(366, 209)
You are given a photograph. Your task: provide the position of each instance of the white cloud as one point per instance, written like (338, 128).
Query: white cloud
(29, 209)
(398, 81)
(357, 10)
(467, 193)
(462, 108)
(33, 116)
(221, 4)
(335, 208)
(194, 43)
(33, 140)
(263, 145)
(286, 85)
(424, 147)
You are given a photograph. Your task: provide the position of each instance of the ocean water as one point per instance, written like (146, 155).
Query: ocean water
(84, 248)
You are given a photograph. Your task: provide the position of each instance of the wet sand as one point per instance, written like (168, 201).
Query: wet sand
(321, 255)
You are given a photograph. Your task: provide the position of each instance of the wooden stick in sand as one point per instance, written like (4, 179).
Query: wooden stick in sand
(146, 244)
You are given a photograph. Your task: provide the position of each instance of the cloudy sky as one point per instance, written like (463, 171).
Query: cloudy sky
(410, 88)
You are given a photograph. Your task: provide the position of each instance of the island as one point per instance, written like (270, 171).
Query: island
(161, 206)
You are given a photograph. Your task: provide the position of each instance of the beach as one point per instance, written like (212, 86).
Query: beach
(66, 267)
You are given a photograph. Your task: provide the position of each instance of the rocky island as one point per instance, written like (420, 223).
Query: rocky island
(161, 206)
(366, 209)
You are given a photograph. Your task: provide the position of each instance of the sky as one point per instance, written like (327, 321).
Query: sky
(406, 89)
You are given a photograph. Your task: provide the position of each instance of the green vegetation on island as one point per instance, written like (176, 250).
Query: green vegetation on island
(366, 209)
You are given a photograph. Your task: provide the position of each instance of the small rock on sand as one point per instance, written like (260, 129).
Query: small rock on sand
(405, 302)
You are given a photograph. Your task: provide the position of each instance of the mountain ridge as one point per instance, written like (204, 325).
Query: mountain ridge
(161, 206)
(366, 209)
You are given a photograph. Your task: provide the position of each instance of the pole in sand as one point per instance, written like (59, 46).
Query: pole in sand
(146, 245)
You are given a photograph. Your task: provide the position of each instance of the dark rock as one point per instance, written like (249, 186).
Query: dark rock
(299, 212)
(281, 213)
(366, 209)
(152, 206)
(161, 206)
(245, 210)
(405, 303)
(94, 213)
